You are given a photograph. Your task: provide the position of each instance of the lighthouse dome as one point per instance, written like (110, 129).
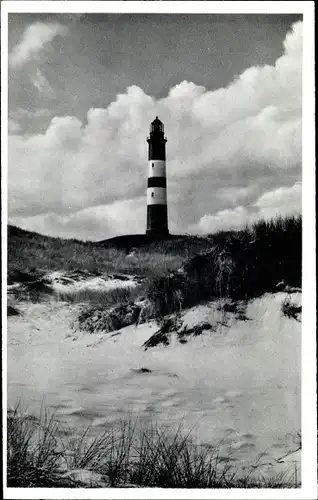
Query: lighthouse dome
(156, 125)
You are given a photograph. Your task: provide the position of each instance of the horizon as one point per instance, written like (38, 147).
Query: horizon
(170, 235)
(84, 88)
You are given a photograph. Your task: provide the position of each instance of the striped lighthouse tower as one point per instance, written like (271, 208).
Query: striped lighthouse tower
(157, 213)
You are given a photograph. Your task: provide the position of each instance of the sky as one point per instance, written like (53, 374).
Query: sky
(83, 89)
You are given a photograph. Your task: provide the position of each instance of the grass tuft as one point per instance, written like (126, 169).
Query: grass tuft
(239, 266)
(33, 452)
(290, 309)
(124, 454)
(102, 298)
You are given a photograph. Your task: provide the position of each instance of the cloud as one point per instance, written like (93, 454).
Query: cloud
(34, 39)
(13, 126)
(120, 217)
(226, 148)
(41, 83)
(279, 202)
(128, 217)
(224, 220)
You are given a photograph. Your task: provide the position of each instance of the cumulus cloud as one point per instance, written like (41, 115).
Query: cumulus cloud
(279, 202)
(13, 126)
(224, 220)
(34, 39)
(120, 217)
(226, 149)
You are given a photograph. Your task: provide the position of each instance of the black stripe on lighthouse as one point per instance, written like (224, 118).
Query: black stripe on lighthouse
(160, 182)
(157, 219)
(157, 211)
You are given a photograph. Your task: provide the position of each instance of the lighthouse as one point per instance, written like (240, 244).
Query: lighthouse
(157, 213)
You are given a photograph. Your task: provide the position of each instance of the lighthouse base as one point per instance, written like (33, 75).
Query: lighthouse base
(157, 220)
(158, 234)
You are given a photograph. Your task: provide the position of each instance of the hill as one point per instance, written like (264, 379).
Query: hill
(129, 241)
(254, 259)
(203, 330)
(29, 251)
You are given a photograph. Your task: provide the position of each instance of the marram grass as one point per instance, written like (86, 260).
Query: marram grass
(40, 453)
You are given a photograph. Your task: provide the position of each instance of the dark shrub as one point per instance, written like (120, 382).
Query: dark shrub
(162, 336)
(241, 265)
(12, 311)
(290, 309)
(108, 320)
(168, 293)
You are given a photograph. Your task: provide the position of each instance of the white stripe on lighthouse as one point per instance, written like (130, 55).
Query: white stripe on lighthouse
(156, 196)
(157, 168)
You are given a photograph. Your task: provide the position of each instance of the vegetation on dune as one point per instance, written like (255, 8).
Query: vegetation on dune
(103, 298)
(110, 310)
(12, 311)
(95, 319)
(17, 276)
(177, 273)
(40, 454)
(241, 265)
(31, 255)
(33, 456)
(290, 309)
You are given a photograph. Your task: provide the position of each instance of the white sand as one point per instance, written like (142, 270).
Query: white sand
(239, 384)
(65, 282)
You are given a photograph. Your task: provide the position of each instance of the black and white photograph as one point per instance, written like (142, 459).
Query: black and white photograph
(158, 203)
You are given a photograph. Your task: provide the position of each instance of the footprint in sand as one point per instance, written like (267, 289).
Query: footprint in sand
(247, 436)
(242, 445)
